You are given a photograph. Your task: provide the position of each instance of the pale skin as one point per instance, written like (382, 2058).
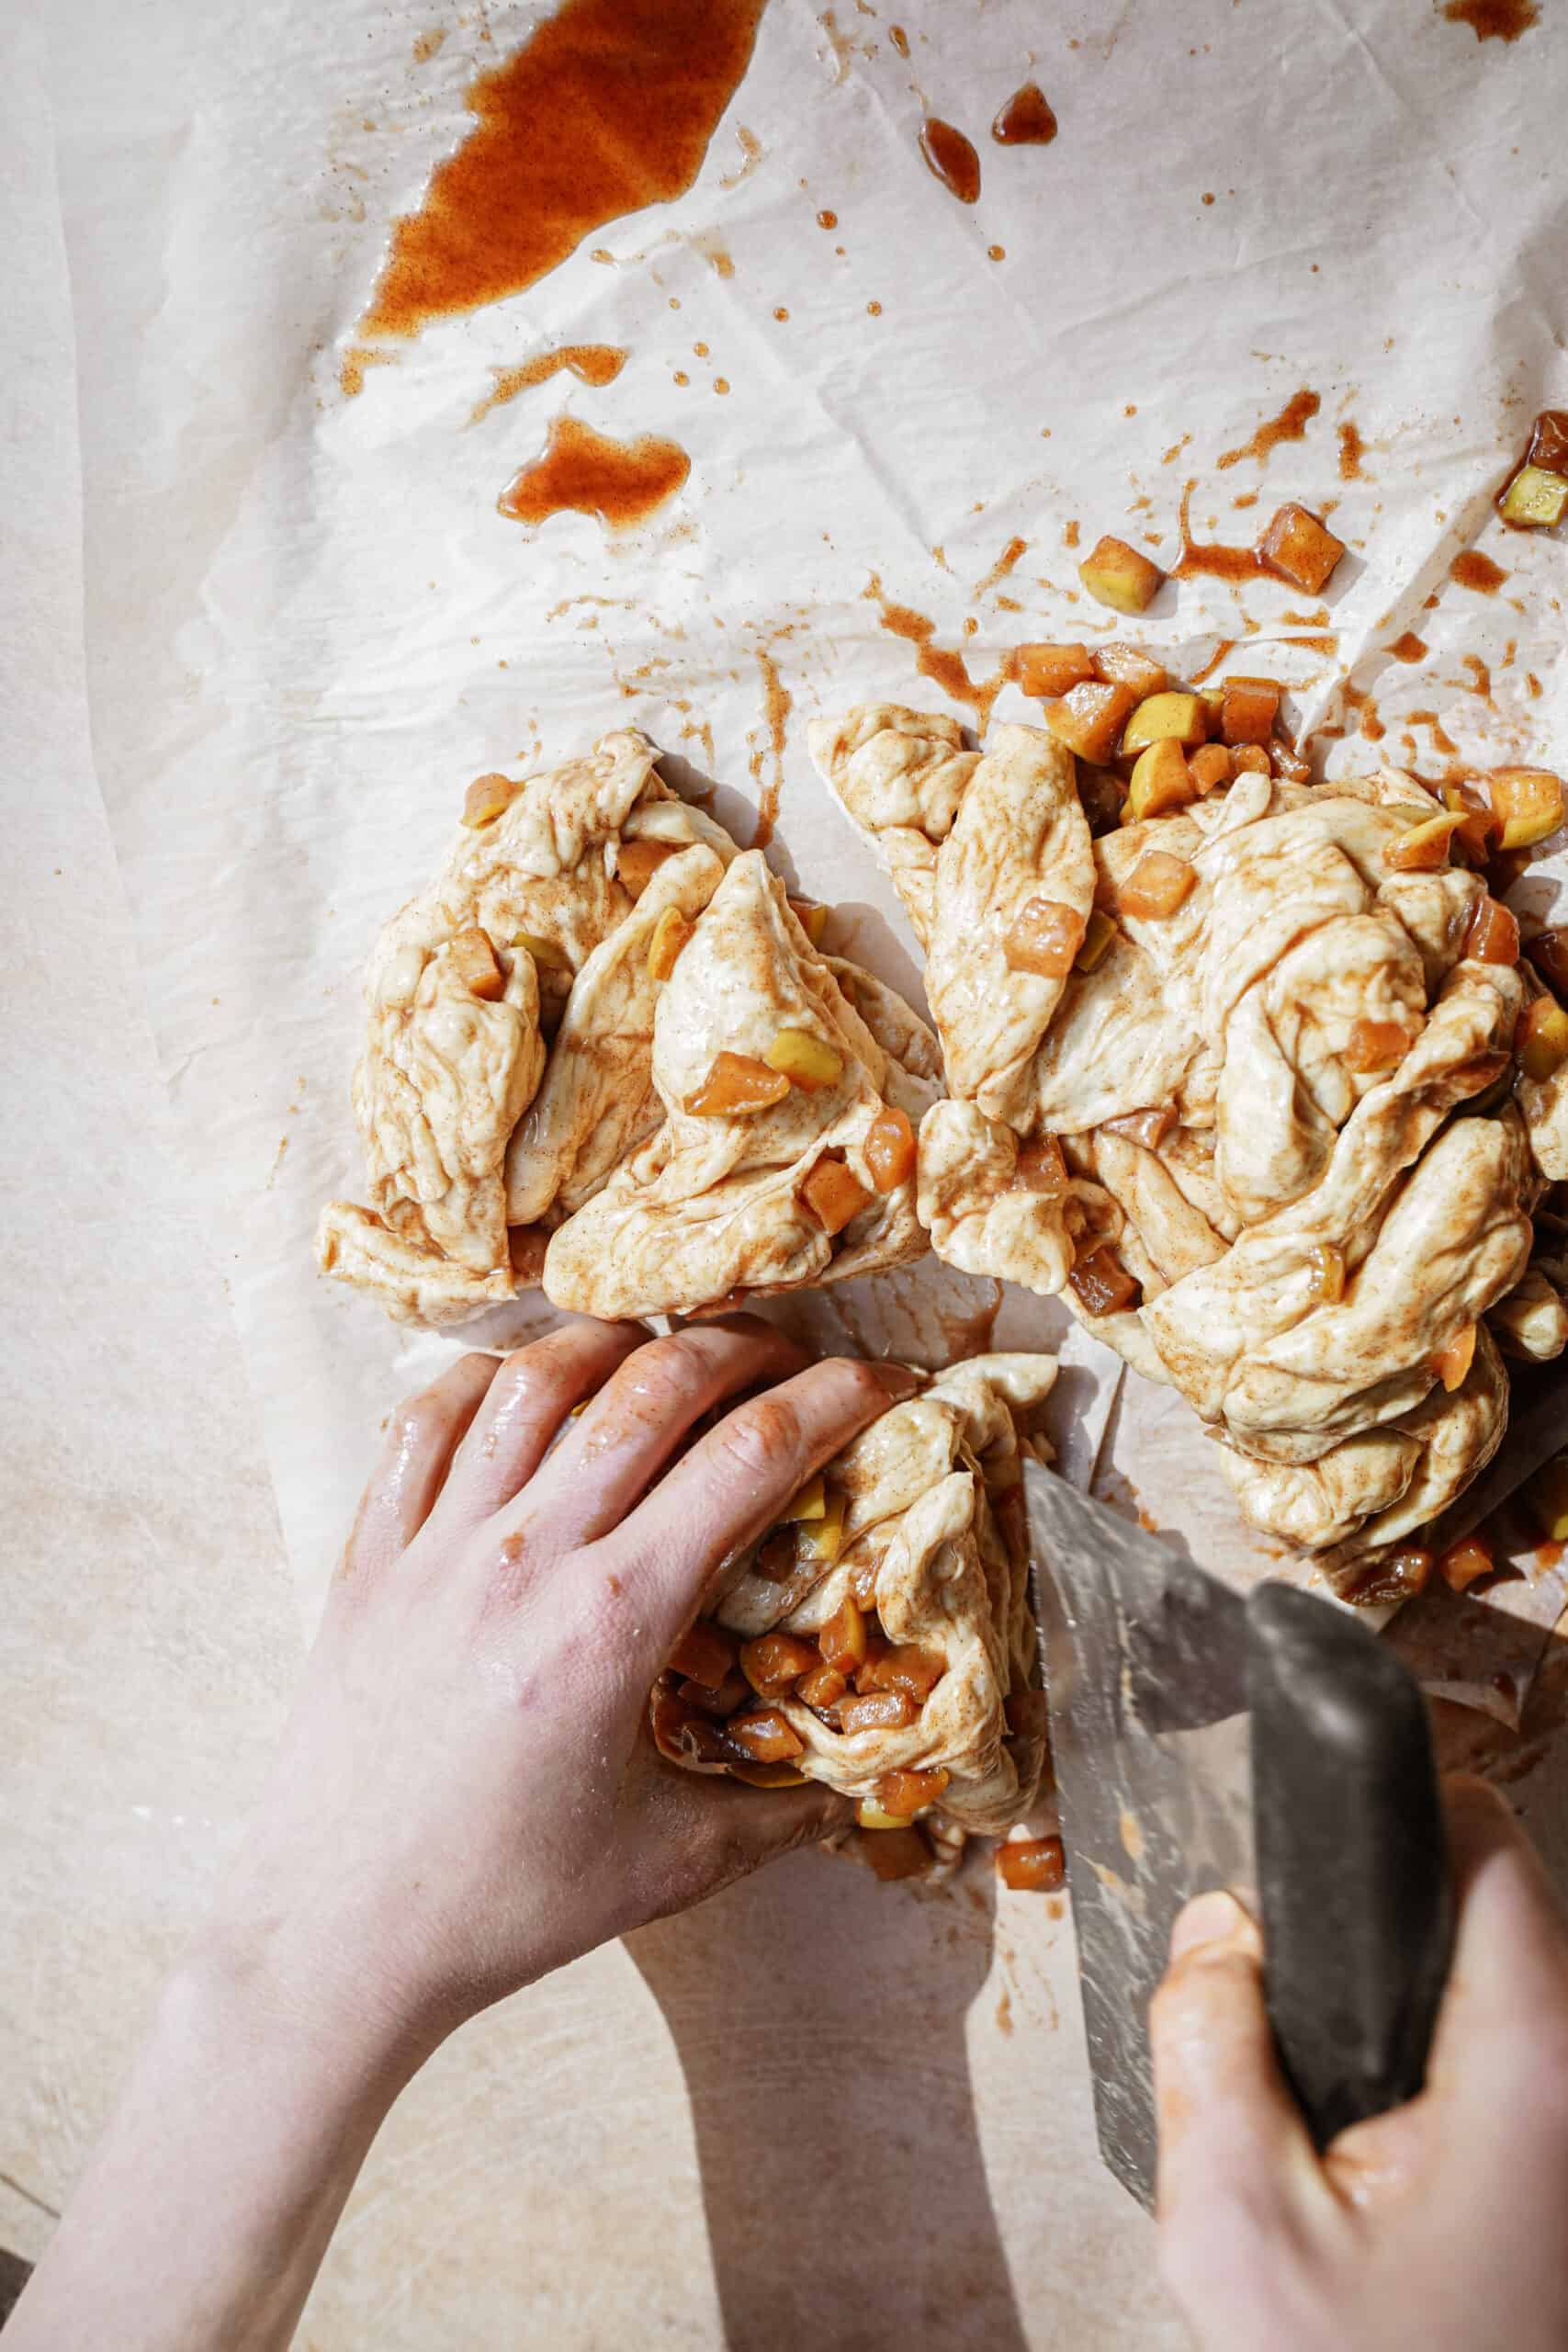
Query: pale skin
(467, 1798)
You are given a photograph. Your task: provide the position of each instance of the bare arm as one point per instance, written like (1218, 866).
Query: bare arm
(465, 1798)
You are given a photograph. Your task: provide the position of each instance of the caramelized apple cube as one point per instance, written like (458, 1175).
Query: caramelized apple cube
(811, 1502)
(1464, 1562)
(544, 952)
(1397, 1576)
(806, 1060)
(736, 1087)
(705, 1653)
(1099, 933)
(1541, 1040)
(1118, 575)
(1547, 951)
(834, 1194)
(1043, 938)
(824, 1686)
(897, 1854)
(1493, 936)
(1161, 780)
(767, 1735)
(775, 1663)
(1210, 766)
(1159, 885)
(1101, 1283)
(1536, 498)
(1529, 802)
(473, 960)
(671, 934)
(1248, 708)
(820, 1541)
(1547, 1495)
(717, 1700)
(1478, 830)
(871, 1815)
(1089, 718)
(1425, 847)
(1301, 548)
(889, 1149)
(1249, 759)
(842, 1640)
(908, 1791)
(1032, 1865)
(876, 1711)
(776, 1555)
(1326, 1263)
(1039, 1168)
(1129, 665)
(1167, 717)
(902, 1666)
(1375, 1045)
(1051, 670)
(1452, 1361)
(488, 797)
(767, 1775)
(637, 861)
(812, 916)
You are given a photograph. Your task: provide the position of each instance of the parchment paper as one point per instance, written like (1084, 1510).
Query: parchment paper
(308, 626)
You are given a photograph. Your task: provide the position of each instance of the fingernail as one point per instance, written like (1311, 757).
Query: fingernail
(1212, 1918)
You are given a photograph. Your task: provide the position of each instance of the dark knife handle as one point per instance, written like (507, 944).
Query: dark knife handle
(1353, 1875)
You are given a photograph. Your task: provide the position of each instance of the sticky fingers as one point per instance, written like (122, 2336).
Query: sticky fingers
(420, 1437)
(532, 1395)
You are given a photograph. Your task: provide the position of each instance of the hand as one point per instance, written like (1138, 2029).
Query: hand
(467, 1795)
(1436, 2226)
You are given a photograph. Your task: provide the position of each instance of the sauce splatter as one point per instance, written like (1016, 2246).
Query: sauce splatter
(1215, 562)
(1290, 424)
(1002, 565)
(1026, 120)
(606, 108)
(356, 360)
(1409, 648)
(1473, 570)
(1441, 738)
(592, 363)
(1352, 450)
(951, 157)
(584, 472)
(1226, 646)
(777, 704)
(1365, 710)
(1480, 675)
(942, 664)
(827, 220)
(1494, 20)
(899, 38)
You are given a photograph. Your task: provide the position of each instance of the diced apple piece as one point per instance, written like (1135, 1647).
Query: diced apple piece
(1327, 1264)
(903, 1666)
(834, 1194)
(1529, 802)
(806, 1060)
(1464, 1562)
(776, 1555)
(774, 1662)
(1102, 791)
(1041, 1167)
(810, 1503)
(683, 1733)
(1478, 830)
(1098, 936)
(1452, 1361)
(705, 1653)
(670, 934)
(1248, 708)
(473, 960)
(1118, 575)
(1101, 1283)
(488, 797)
(544, 952)
(1051, 670)
(1301, 548)
(842, 1640)
(1250, 759)
(824, 1686)
(1288, 764)
(1174, 718)
(874, 1816)
(1535, 497)
(1089, 718)
(897, 1854)
(812, 916)
(1161, 780)
(1149, 1128)
(767, 1775)
(637, 861)
(889, 1149)
(736, 1087)
(1493, 936)
(1398, 1576)
(1032, 1865)
(1547, 1495)
(1210, 766)
(1129, 665)
(1375, 1045)
(878, 1711)
(767, 1735)
(905, 1792)
(716, 1699)
(820, 1541)
(1157, 886)
(1547, 951)
(1540, 1041)
(1043, 938)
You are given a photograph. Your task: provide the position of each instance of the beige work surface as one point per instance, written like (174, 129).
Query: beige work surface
(816, 2113)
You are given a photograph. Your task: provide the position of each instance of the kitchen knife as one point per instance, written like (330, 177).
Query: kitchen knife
(1273, 1744)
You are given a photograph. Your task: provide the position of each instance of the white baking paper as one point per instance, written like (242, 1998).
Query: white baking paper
(308, 626)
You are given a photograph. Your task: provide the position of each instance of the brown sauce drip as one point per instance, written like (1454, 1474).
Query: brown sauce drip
(1290, 424)
(608, 107)
(592, 363)
(1471, 569)
(1409, 648)
(1480, 675)
(1026, 120)
(1494, 20)
(1365, 710)
(951, 158)
(827, 220)
(777, 704)
(584, 472)
(1441, 738)
(899, 38)
(942, 664)
(1215, 562)
(1226, 646)
(1002, 565)
(1352, 450)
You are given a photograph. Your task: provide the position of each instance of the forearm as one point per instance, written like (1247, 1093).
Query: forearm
(208, 2204)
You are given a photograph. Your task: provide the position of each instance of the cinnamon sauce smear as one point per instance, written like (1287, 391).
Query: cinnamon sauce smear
(1026, 120)
(1494, 20)
(1352, 450)
(942, 664)
(952, 158)
(1290, 424)
(584, 472)
(1409, 648)
(777, 704)
(592, 363)
(899, 38)
(1473, 570)
(1216, 563)
(608, 107)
